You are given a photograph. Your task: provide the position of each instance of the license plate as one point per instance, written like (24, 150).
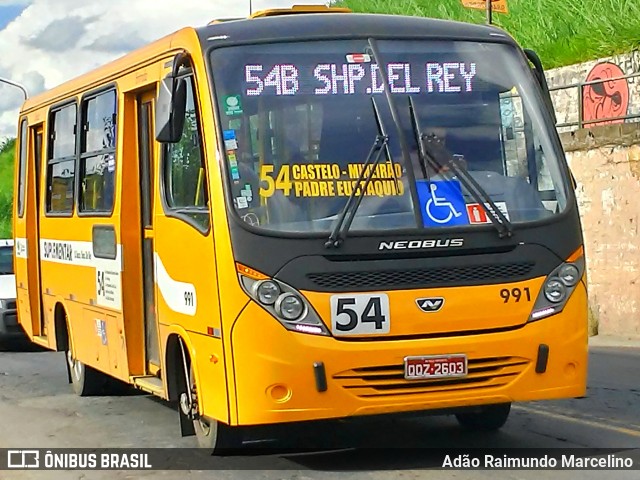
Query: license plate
(435, 366)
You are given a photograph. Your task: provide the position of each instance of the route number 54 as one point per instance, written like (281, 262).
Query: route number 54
(360, 314)
(268, 185)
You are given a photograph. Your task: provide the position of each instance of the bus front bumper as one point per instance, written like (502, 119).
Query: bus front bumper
(275, 379)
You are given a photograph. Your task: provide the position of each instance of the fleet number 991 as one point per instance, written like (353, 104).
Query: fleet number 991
(515, 293)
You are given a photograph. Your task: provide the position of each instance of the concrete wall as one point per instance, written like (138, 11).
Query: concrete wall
(606, 163)
(605, 159)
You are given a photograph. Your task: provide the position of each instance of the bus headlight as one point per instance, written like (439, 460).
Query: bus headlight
(557, 289)
(282, 301)
(554, 290)
(569, 274)
(289, 306)
(267, 292)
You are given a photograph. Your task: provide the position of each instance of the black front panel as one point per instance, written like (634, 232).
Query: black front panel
(411, 276)
(361, 264)
(319, 273)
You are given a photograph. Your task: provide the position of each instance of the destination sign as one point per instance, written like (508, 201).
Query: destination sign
(332, 180)
(325, 79)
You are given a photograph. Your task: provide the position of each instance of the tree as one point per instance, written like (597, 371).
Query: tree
(7, 145)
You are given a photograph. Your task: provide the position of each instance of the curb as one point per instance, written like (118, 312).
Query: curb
(614, 341)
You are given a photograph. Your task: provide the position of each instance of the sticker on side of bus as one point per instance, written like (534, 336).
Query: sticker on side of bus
(108, 288)
(360, 314)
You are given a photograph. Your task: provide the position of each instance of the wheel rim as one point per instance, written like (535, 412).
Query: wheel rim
(204, 426)
(76, 365)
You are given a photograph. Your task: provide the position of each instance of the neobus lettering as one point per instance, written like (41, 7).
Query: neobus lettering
(414, 244)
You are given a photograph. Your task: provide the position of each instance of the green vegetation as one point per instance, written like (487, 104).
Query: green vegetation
(6, 186)
(563, 32)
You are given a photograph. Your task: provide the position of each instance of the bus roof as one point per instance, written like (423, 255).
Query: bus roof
(298, 9)
(112, 69)
(269, 27)
(313, 26)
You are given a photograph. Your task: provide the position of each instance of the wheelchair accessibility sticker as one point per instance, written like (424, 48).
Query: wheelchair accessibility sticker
(442, 203)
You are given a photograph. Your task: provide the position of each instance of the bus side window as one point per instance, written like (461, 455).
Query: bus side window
(98, 155)
(61, 160)
(22, 167)
(185, 178)
(524, 156)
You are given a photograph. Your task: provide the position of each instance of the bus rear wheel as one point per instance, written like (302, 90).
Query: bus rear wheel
(216, 437)
(488, 418)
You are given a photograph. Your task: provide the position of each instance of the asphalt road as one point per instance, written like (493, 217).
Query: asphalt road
(39, 410)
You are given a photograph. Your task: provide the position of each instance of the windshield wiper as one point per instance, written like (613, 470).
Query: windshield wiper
(344, 220)
(473, 187)
(413, 188)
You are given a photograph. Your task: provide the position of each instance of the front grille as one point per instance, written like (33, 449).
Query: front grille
(422, 277)
(385, 381)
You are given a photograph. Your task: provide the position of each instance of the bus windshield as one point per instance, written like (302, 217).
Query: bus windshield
(298, 124)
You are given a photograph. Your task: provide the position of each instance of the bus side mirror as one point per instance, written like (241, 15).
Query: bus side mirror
(538, 72)
(170, 109)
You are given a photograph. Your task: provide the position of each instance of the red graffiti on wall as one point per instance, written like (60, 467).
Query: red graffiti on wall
(607, 99)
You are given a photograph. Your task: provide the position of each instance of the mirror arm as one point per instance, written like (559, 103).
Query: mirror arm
(179, 60)
(538, 70)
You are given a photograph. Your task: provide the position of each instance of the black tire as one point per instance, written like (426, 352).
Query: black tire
(215, 437)
(487, 419)
(85, 380)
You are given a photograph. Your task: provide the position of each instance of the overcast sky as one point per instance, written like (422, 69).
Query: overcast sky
(46, 42)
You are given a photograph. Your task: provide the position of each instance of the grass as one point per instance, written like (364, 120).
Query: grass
(6, 187)
(563, 32)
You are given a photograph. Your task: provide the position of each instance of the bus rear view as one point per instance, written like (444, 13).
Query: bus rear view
(402, 220)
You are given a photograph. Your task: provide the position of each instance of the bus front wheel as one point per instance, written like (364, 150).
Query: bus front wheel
(216, 437)
(488, 418)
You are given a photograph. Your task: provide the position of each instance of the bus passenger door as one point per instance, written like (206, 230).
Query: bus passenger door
(33, 232)
(146, 163)
(185, 260)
